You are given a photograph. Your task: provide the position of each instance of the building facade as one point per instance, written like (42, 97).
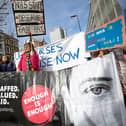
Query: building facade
(8, 45)
(57, 34)
(36, 43)
(101, 12)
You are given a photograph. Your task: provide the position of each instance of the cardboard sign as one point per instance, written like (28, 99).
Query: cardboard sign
(34, 29)
(29, 17)
(27, 5)
(110, 35)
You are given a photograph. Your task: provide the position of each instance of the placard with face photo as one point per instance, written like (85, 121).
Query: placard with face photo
(94, 96)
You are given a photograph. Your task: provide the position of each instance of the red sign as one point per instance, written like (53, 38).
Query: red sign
(38, 104)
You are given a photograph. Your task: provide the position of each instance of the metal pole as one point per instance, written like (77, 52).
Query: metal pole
(78, 23)
(73, 16)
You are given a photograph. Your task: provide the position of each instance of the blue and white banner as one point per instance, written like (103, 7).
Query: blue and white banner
(64, 54)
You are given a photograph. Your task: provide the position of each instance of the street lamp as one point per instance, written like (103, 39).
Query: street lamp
(73, 16)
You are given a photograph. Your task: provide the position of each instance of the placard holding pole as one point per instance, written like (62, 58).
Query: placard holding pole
(29, 17)
(107, 36)
(30, 35)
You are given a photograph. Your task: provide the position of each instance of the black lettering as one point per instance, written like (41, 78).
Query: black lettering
(30, 5)
(17, 5)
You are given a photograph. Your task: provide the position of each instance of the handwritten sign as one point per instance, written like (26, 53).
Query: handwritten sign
(34, 29)
(29, 5)
(29, 17)
(110, 35)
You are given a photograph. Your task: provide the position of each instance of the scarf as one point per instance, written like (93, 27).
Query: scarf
(28, 62)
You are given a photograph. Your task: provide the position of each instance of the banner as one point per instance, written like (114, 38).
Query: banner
(93, 94)
(10, 97)
(106, 36)
(29, 17)
(79, 96)
(28, 98)
(61, 55)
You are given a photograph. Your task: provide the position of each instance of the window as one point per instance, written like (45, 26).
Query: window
(118, 9)
(0, 46)
(1, 38)
(6, 41)
(97, 17)
(103, 7)
(7, 50)
(112, 14)
(12, 50)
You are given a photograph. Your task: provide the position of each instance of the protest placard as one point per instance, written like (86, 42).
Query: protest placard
(60, 55)
(106, 36)
(93, 95)
(29, 17)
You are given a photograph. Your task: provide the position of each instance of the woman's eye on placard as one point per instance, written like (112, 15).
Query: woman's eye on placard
(97, 90)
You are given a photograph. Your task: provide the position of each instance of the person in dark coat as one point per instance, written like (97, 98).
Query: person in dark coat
(6, 66)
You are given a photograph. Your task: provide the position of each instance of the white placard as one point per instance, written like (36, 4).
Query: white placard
(23, 30)
(61, 55)
(29, 18)
(27, 5)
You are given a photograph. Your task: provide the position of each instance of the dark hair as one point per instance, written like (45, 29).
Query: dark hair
(96, 53)
(4, 55)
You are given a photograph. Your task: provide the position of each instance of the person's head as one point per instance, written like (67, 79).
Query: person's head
(95, 93)
(28, 47)
(99, 53)
(4, 58)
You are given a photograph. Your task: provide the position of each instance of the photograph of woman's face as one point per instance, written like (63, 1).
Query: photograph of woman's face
(94, 94)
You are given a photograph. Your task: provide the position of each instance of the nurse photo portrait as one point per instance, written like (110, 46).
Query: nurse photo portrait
(94, 95)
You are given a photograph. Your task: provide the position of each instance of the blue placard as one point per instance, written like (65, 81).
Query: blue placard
(110, 35)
